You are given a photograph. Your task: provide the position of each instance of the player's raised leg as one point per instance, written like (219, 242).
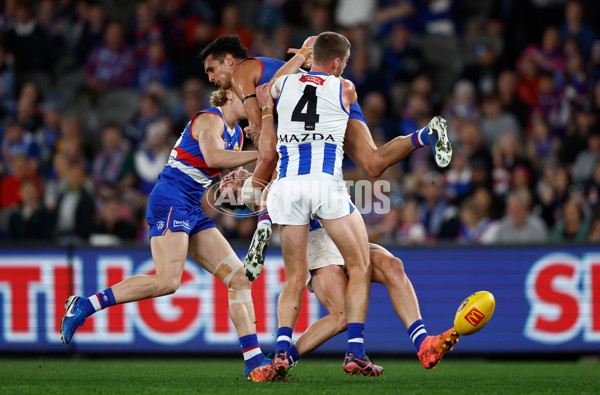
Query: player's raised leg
(212, 251)
(361, 148)
(294, 240)
(389, 271)
(169, 253)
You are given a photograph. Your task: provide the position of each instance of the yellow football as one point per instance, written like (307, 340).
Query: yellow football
(474, 312)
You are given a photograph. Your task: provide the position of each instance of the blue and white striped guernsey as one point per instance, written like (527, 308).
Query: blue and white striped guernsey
(312, 125)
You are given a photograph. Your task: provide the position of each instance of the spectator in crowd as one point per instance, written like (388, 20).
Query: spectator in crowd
(113, 165)
(458, 177)
(27, 42)
(572, 226)
(351, 13)
(575, 140)
(542, 143)
(475, 226)
(484, 73)
(548, 55)
(507, 90)
(519, 225)
(7, 85)
(21, 170)
(402, 60)
(411, 232)
(112, 64)
(112, 221)
(548, 105)
(393, 12)
(462, 106)
(232, 25)
(553, 192)
(148, 112)
(496, 122)
(471, 138)
(439, 217)
(56, 183)
(592, 188)
(30, 220)
(151, 157)
(144, 30)
(155, 67)
(88, 30)
(575, 28)
(17, 141)
(75, 208)
(528, 83)
(509, 159)
(587, 159)
(47, 137)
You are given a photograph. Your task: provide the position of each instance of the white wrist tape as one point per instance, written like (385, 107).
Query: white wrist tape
(249, 195)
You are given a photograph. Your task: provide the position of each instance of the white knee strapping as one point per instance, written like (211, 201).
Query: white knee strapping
(240, 296)
(227, 268)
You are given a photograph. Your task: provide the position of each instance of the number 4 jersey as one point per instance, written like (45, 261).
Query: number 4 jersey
(312, 125)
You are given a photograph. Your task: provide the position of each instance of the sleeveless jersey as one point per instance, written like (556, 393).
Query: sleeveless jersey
(268, 68)
(312, 125)
(186, 168)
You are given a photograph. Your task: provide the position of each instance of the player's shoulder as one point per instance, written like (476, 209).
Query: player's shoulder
(347, 84)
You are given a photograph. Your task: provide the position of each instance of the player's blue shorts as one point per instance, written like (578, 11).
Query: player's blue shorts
(174, 214)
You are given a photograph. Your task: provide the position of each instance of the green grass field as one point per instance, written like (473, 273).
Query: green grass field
(223, 376)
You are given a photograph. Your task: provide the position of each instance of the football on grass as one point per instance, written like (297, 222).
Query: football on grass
(474, 312)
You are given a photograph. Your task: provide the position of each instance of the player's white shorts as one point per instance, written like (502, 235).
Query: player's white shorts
(295, 200)
(322, 252)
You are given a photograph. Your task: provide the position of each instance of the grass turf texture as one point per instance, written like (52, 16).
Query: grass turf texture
(223, 376)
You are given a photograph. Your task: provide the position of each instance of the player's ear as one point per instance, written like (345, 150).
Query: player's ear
(228, 60)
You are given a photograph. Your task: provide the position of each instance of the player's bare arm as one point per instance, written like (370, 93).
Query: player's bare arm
(268, 143)
(207, 130)
(244, 80)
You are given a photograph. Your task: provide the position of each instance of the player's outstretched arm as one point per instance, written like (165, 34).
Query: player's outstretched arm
(207, 129)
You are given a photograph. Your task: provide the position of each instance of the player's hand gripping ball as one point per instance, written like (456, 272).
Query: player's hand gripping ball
(474, 312)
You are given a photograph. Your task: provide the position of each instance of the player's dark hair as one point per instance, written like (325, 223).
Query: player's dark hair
(222, 46)
(328, 46)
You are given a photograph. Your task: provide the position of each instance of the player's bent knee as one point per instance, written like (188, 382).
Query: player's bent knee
(227, 268)
(239, 281)
(393, 265)
(341, 322)
(168, 286)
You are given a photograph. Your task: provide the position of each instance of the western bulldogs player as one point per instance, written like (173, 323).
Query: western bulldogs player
(211, 141)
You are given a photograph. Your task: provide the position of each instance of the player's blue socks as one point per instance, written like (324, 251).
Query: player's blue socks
(284, 339)
(99, 301)
(417, 333)
(356, 339)
(293, 355)
(253, 355)
(418, 138)
(263, 217)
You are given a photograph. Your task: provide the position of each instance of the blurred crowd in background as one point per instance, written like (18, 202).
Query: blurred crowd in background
(93, 95)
